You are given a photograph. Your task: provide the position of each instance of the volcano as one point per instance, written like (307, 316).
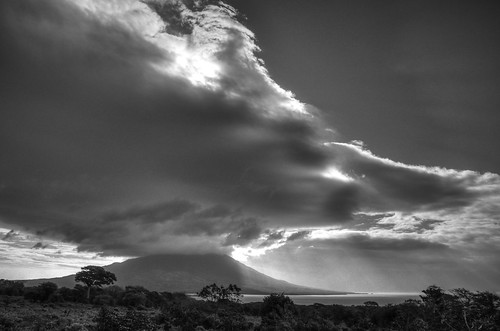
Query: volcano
(190, 273)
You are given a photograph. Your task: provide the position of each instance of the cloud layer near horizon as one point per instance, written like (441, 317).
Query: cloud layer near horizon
(132, 128)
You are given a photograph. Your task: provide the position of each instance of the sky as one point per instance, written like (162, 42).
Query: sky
(345, 145)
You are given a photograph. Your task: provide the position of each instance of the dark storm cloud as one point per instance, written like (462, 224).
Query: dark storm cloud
(272, 237)
(275, 235)
(418, 81)
(141, 229)
(159, 213)
(248, 231)
(369, 243)
(298, 235)
(343, 201)
(102, 146)
(89, 126)
(387, 185)
(362, 222)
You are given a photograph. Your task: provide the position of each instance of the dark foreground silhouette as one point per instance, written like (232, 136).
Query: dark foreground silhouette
(134, 308)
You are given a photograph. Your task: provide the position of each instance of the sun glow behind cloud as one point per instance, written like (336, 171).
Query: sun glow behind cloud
(206, 57)
(334, 173)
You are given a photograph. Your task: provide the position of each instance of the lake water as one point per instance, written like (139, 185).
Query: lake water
(344, 299)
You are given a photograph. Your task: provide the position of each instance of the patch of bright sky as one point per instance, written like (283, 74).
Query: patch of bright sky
(336, 174)
(242, 253)
(25, 256)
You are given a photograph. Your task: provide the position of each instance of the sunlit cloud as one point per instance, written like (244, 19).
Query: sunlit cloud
(154, 127)
(334, 173)
(42, 257)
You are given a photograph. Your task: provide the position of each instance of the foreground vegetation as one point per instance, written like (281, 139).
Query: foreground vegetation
(134, 308)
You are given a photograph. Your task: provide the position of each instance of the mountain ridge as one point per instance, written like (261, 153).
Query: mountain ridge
(189, 274)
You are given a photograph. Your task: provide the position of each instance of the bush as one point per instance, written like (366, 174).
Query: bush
(41, 293)
(107, 320)
(187, 317)
(7, 324)
(103, 300)
(277, 303)
(137, 321)
(135, 296)
(11, 288)
(76, 327)
(216, 293)
(278, 313)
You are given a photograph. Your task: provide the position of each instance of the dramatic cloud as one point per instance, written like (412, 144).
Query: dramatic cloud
(26, 255)
(115, 118)
(362, 262)
(137, 127)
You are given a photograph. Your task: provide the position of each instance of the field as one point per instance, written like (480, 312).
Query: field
(19, 314)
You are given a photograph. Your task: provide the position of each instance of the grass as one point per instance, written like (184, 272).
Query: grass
(17, 314)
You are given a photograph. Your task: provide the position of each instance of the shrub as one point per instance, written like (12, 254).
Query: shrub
(278, 313)
(107, 320)
(103, 300)
(188, 317)
(137, 321)
(76, 327)
(10, 287)
(41, 293)
(135, 296)
(216, 293)
(7, 323)
(277, 303)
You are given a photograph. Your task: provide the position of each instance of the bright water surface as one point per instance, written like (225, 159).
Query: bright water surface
(344, 299)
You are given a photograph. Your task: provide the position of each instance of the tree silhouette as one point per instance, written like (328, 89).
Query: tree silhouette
(278, 312)
(215, 293)
(94, 276)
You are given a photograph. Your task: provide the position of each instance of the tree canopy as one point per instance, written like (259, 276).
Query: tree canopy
(216, 293)
(94, 276)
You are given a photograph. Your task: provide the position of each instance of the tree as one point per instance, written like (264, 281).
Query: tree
(278, 312)
(46, 290)
(216, 293)
(94, 276)
(42, 293)
(278, 303)
(11, 287)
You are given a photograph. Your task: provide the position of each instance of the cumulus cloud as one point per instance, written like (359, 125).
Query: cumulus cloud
(137, 127)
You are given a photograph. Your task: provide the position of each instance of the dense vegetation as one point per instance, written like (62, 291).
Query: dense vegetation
(47, 307)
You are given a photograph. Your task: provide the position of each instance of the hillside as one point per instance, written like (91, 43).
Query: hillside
(189, 273)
